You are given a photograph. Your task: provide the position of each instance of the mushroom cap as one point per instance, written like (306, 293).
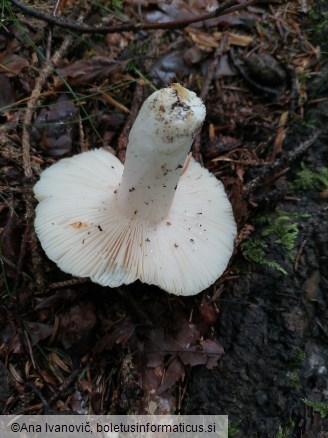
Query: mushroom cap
(83, 231)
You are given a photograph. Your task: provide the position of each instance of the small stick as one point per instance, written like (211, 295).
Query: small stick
(83, 144)
(67, 382)
(45, 72)
(279, 164)
(227, 7)
(37, 392)
(299, 253)
(49, 42)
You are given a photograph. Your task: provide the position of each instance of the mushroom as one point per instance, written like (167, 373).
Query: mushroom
(161, 219)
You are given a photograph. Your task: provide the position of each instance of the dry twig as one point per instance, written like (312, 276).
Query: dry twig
(227, 7)
(35, 95)
(283, 161)
(49, 41)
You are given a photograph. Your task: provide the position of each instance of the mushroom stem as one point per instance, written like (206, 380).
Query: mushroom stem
(159, 142)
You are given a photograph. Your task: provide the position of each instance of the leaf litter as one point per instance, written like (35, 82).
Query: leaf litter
(97, 350)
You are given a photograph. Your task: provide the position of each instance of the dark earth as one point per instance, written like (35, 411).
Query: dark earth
(253, 346)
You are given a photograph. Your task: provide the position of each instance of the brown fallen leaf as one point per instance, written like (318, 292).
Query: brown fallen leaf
(170, 68)
(175, 371)
(76, 326)
(265, 69)
(48, 378)
(15, 345)
(208, 314)
(38, 331)
(61, 296)
(119, 336)
(11, 65)
(7, 94)
(54, 358)
(213, 351)
(187, 345)
(97, 68)
(55, 128)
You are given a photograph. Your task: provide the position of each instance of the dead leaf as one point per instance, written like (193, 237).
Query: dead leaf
(61, 296)
(174, 372)
(193, 55)
(185, 345)
(54, 358)
(55, 127)
(48, 378)
(15, 373)
(97, 68)
(119, 336)
(7, 94)
(265, 69)
(214, 351)
(38, 331)
(170, 68)
(77, 324)
(15, 346)
(177, 9)
(85, 386)
(11, 65)
(224, 68)
(208, 314)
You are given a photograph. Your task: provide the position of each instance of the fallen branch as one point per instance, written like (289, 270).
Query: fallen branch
(227, 7)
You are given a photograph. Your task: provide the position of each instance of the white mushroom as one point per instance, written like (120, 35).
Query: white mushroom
(150, 221)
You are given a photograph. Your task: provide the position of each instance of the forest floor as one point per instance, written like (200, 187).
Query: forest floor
(253, 346)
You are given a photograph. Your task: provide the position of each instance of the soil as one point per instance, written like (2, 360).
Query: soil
(253, 346)
(274, 330)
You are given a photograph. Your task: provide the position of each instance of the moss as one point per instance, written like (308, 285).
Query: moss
(308, 180)
(117, 4)
(285, 432)
(294, 380)
(233, 428)
(297, 359)
(322, 408)
(318, 25)
(293, 368)
(285, 231)
(254, 250)
(282, 228)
